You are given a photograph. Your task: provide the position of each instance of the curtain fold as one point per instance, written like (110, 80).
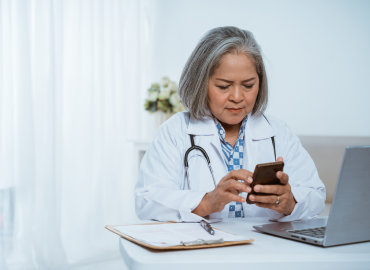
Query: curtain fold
(72, 78)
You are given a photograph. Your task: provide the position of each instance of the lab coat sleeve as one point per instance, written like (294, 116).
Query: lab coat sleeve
(159, 190)
(307, 188)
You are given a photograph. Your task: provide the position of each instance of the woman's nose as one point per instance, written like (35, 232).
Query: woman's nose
(236, 94)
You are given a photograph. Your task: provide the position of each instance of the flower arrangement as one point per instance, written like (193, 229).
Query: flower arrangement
(163, 97)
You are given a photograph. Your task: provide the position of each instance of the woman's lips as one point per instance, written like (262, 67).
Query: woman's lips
(234, 111)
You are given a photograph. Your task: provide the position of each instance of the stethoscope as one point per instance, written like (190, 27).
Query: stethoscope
(195, 147)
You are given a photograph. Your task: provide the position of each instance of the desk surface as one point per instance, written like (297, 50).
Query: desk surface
(266, 252)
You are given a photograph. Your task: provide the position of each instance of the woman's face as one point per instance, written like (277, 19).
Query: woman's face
(233, 88)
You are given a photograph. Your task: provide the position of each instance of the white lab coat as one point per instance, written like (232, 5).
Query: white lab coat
(162, 192)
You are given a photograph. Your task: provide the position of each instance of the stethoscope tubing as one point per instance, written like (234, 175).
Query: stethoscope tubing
(196, 147)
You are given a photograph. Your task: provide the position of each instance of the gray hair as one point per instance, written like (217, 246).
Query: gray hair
(205, 59)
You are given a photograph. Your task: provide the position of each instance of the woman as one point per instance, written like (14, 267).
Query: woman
(224, 87)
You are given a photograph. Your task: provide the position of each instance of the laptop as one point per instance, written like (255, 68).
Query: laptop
(349, 218)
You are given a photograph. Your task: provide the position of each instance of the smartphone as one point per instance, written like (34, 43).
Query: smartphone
(265, 174)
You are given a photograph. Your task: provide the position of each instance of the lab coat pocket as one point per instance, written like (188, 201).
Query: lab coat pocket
(199, 174)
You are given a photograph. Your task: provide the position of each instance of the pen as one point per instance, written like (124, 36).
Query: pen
(207, 227)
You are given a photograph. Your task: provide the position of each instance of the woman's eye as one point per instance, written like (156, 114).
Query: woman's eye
(223, 87)
(248, 86)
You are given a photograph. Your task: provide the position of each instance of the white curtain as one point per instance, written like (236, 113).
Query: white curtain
(72, 78)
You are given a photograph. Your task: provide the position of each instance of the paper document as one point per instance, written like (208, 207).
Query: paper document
(175, 233)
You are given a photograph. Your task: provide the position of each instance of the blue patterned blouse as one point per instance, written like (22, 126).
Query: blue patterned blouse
(233, 157)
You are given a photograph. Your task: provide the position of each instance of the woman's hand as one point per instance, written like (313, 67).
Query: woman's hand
(226, 191)
(286, 198)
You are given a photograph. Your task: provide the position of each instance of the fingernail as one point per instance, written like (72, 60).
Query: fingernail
(251, 198)
(257, 188)
(243, 199)
(250, 180)
(249, 189)
(279, 174)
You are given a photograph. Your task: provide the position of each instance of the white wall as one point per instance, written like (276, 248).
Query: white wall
(317, 55)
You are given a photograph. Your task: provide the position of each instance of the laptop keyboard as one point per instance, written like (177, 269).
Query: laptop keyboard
(313, 232)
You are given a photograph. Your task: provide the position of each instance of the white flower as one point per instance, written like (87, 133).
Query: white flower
(165, 93)
(165, 81)
(172, 86)
(178, 108)
(174, 99)
(153, 96)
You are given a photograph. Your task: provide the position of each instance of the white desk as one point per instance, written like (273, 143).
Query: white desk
(266, 252)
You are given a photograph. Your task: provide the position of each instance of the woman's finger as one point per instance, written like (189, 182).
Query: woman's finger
(280, 159)
(283, 177)
(241, 174)
(270, 199)
(234, 184)
(268, 205)
(270, 189)
(234, 191)
(229, 197)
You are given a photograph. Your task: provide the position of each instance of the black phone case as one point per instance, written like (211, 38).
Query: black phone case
(265, 174)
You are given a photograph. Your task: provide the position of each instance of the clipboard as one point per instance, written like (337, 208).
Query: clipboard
(179, 247)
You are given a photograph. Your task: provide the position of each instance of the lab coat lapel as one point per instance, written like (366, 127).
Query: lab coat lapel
(257, 128)
(248, 150)
(260, 129)
(217, 145)
(201, 127)
(206, 127)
